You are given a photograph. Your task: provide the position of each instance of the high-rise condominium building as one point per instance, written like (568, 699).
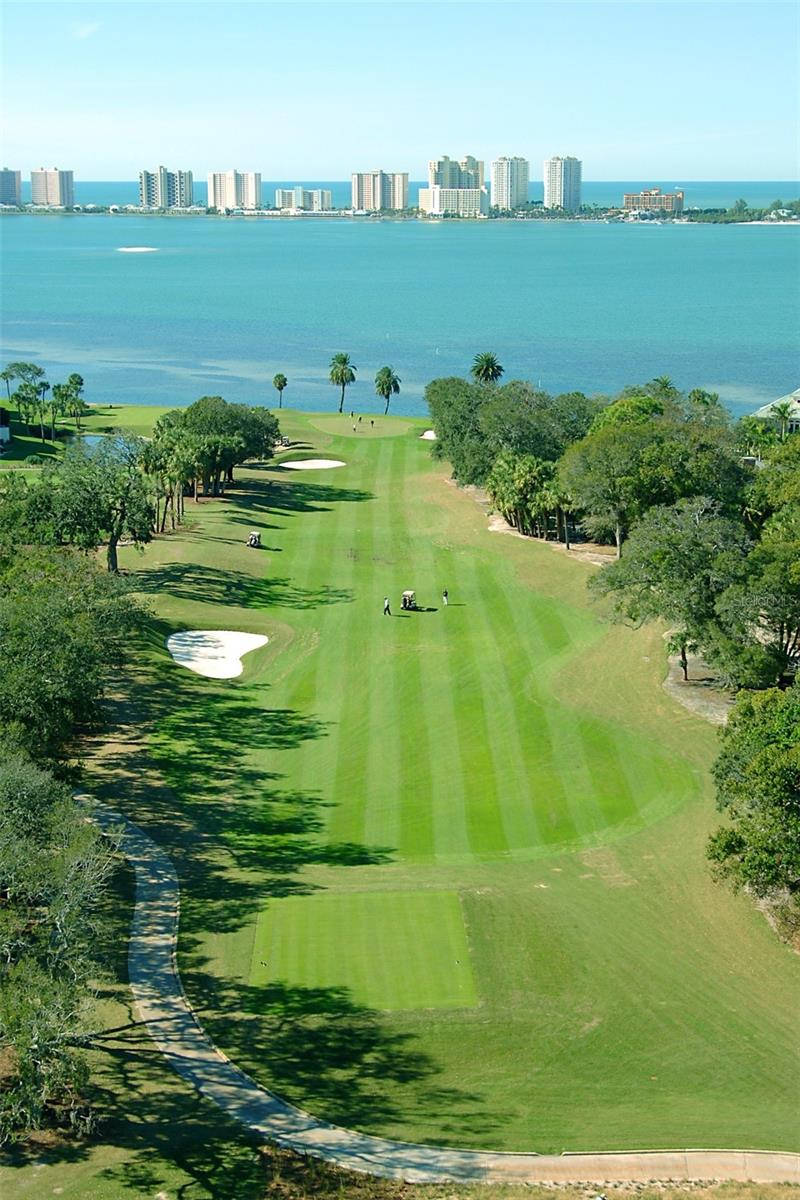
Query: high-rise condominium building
(10, 187)
(510, 182)
(468, 173)
(654, 200)
(304, 199)
(454, 202)
(54, 188)
(562, 183)
(455, 188)
(234, 189)
(166, 189)
(374, 191)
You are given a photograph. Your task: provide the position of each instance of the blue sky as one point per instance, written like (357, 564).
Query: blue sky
(313, 91)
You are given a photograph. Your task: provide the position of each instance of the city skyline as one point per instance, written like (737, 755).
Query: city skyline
(92, 105)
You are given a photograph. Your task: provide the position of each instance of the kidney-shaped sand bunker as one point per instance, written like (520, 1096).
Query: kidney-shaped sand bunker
(216, 653)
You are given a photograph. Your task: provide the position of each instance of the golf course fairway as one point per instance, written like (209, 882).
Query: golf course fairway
(443, 873)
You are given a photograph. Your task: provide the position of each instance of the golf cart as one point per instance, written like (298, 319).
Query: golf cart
(254, 539)
(409, 600)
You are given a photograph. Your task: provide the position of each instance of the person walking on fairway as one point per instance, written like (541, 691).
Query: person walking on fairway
(387, 612)
(444, 597)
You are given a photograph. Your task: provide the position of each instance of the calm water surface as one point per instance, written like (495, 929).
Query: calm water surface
(222, 305)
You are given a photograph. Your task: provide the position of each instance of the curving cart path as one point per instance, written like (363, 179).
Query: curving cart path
(165, 1010)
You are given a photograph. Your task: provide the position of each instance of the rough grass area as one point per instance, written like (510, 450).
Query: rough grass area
(510, 749)
(401, 950)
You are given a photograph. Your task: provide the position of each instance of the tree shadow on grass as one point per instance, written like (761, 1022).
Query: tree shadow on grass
(294, 495)
(214, 585)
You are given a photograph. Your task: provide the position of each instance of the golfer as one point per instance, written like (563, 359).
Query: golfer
(387, 612)
(444, 597)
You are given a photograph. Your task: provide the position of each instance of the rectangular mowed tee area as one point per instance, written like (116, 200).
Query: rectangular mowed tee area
(387, 950)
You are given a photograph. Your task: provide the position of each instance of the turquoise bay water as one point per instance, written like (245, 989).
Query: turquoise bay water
(224, 304)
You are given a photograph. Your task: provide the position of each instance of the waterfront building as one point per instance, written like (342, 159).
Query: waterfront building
(562, 183)
(454, 202)
(304, 199)
(455, 188)
(166, 189)
(654, 200)
(234, 189)
(788, 415)
(467, 173)
(10, 187)
(54, 188)
(375, 191)
(510, 178)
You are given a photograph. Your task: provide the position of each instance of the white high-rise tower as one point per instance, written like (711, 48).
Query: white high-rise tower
(562, 183)
(234, 189)
(53, 188)
(510, 182)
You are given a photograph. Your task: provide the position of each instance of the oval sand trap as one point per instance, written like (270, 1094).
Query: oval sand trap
(312, 464)
(137, 249)
(216, 653)
(429, 435)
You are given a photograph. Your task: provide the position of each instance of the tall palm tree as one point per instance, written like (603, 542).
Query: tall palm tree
(59, 404)
(7, 376)
(75, 404)
(486, 368)
(279, 382)
(783, 411)
(342, 374)
(662, 385)
(387, 385)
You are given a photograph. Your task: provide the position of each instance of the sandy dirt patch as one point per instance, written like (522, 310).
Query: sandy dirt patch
(429, 436)
(313, 464)
(215, 653)
(702, 694)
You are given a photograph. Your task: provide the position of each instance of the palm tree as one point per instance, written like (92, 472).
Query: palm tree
(59, 404)
(783, 411)
(387, 385)
(279, 382)
(7, 377)
(662, 385)
(486, 368)
(342, 374)
(42, 388)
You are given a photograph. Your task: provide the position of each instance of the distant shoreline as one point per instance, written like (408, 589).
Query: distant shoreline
(347, 215)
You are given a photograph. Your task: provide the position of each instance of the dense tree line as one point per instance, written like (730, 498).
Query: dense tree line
(704, 512)
(128, 488)
(65, 625)
(33, 404)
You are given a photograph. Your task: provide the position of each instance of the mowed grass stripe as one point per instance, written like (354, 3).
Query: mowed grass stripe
(386, 950)
(382, 819)
(313, 567)
(350, 674)
(410, 724)
(517, 738)
(448, 786)
(529, 633)
(482, 809)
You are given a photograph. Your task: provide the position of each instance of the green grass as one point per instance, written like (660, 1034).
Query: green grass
(403, 950)
(512, 753)
(137, 419)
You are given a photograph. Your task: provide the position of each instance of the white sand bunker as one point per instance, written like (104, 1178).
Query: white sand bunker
(216, 653)
(428, 436)
(312, 464)
(137, 249)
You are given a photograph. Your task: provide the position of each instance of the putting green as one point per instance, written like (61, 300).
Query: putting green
(510, 757)
(402, 950)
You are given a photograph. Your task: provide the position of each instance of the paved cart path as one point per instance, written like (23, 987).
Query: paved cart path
(165, 1010)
